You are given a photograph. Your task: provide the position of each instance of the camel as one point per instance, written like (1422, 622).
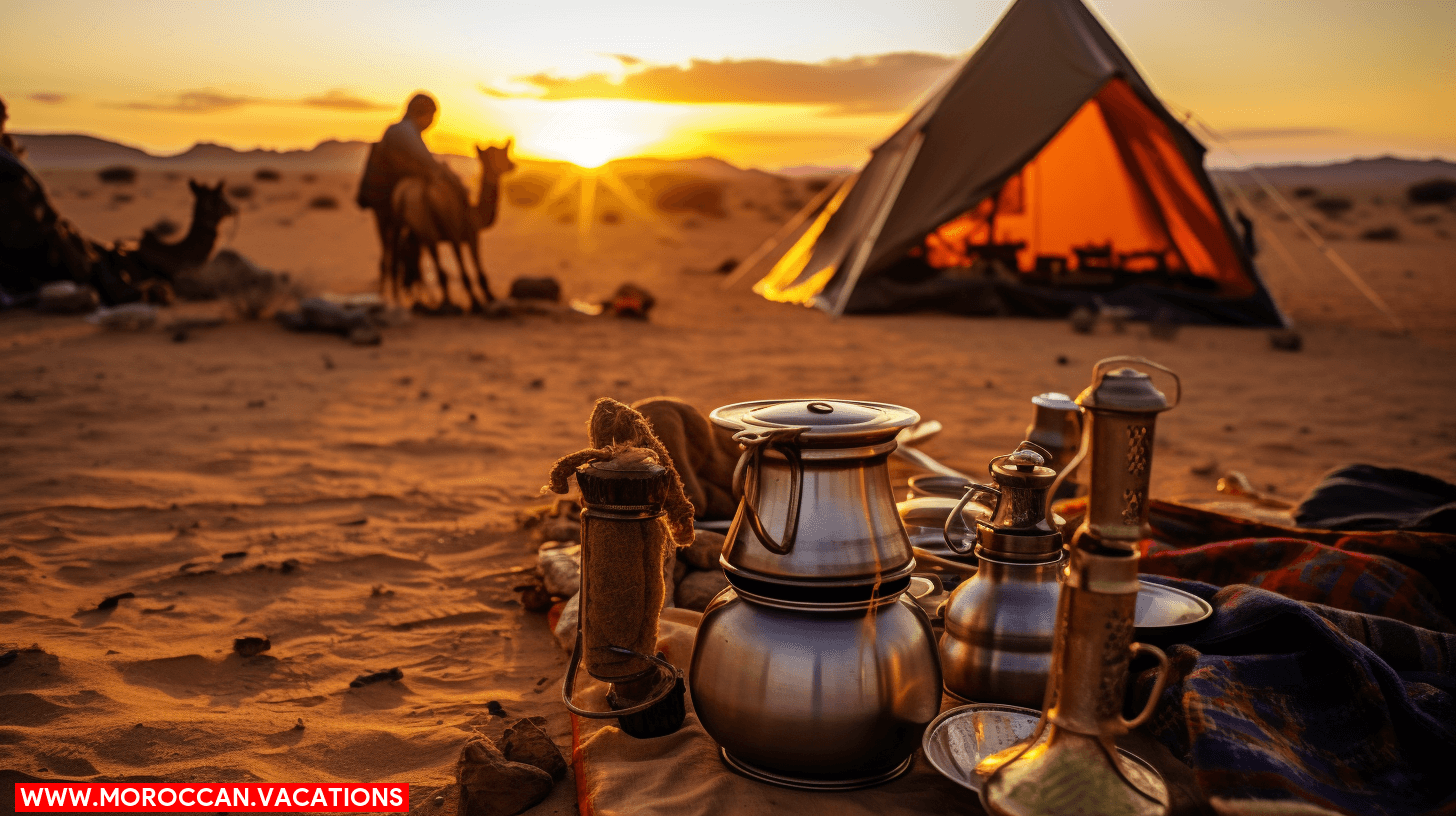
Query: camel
(209, 208)
(426, 214)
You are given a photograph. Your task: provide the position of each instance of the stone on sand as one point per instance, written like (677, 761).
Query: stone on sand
(698, 588)
(525, 742)
(491, 785)
(560, 569)
(703, 554)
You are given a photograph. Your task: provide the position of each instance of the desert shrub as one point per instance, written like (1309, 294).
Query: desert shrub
(1305, 192)
(1435, 191)
(1333, 206)
(1381, 234)
(266, 174)
(163, 228)
(118, 174)
(242, 192)
(324, 202)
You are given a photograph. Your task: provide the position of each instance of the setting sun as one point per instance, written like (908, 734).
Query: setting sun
(588, 132)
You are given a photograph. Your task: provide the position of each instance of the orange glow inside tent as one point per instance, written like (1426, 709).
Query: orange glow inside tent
(1110, 190)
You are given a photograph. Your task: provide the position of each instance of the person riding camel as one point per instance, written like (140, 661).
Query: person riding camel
(400, 153)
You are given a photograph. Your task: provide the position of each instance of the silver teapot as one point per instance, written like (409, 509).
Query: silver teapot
(997, 643)
(815, 669)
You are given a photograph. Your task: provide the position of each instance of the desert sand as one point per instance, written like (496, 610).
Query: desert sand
(357, 505)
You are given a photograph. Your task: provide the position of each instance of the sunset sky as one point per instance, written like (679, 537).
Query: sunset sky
(771, 84)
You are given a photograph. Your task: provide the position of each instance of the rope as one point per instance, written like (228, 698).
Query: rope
(1329, 252)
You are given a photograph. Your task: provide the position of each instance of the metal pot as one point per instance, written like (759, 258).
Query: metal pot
(997, 646)
(817, 506)
(815, 696)
(810, 671)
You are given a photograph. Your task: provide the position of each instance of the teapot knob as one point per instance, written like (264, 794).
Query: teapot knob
(1025, 460)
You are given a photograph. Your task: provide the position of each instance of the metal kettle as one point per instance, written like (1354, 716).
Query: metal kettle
(999, 624)
(815, 669)
(817, 506)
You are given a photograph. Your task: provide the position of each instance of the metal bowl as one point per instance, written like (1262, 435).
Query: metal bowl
(957, 740)
(1166, 615)
(934, 484)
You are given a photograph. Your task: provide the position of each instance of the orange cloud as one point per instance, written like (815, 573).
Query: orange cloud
(49, 98)
(877, 84)
(208, 100)
(340, 99)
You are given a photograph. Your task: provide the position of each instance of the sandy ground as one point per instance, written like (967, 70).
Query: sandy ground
(356, 504)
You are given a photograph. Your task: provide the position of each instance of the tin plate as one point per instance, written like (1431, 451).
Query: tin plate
(957, 740)
(1166, 615)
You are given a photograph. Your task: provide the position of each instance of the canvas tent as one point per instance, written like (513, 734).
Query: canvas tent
(1043, 175)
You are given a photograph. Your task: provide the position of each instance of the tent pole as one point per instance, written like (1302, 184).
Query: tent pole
(862, 251)
(779, 238)
(1329, 252)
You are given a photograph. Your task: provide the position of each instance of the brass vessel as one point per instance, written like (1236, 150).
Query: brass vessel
(999, 623)
(1070, 763)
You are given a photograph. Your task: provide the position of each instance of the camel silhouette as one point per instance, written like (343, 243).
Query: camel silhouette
(209, 208)
(426, 214)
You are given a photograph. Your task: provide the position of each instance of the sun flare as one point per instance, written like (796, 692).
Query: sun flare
(591, 132)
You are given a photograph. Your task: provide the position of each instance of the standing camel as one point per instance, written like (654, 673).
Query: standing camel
(426, 214)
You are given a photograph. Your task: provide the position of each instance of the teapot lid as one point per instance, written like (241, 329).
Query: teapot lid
(1054, 400)
(827, 422)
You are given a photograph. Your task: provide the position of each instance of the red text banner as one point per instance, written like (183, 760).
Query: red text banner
(202, 797)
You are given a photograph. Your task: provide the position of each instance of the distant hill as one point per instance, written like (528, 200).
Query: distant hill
(1383, 170)
(46, 151)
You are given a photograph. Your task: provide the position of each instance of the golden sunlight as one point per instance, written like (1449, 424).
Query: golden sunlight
(589, 132)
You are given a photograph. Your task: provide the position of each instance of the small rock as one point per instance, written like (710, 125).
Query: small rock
(491, 785)
(538, 383)
(238, 554)
(298, 726)
(704, 551)
(257, 403)
(699, 587)
(1062, 359)
(111, 602)
(1204, 468)
(558, 529)
(328, 362)
(250, 646)
(377, 677)
(495, 708)
(565, 630)
(560, 570)
(1286, 340)
(525, 742)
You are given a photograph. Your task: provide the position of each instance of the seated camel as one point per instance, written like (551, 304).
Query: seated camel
(426, 214)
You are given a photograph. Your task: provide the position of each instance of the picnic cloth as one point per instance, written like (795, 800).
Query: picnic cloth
(1366, 497)
(1327, 673)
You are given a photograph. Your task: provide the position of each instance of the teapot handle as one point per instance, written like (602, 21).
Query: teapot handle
(753, 443)
(971, 490)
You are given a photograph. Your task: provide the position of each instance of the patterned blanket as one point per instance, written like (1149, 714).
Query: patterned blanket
(1328, 671)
